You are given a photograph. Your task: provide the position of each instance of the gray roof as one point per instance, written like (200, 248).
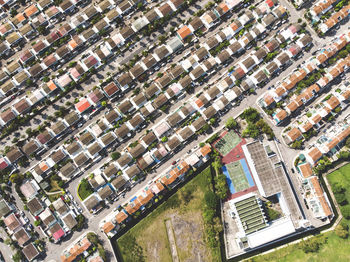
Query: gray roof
(81, 159)
(137, 150)
(124, 160)
(149, 138)
(173, 143)
(4, 208)
(70, 221)
(91, 202)
(118, 182)
(105, 192)
(35, 206)
(110, 170)
(86, 138)
(198, 123)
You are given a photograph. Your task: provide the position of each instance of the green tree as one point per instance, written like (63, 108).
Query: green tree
(297, 144)
(345, 210)
(347, 142)
(212, 121)
(251, 131)
(16, 178)
(343, 53)
(29, 82)
(18, 256)
(72, 64)
(164, 139)
(251, 115)
(46, 79)
(93, 238)
(103, 103)
(13, 12)
(80, 222)
(115, 155)
(231, 123)
(338, 188)
(221, 186)
(342, 230)
(210, 200)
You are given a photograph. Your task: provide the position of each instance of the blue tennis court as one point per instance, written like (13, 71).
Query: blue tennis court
(238, 176)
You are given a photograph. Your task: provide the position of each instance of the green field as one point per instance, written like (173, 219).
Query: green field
(336, 249)
(148, 240)
(239, 180)
(84, 189)
(227, 143)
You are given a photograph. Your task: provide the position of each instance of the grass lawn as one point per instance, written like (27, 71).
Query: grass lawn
(54, 197)
(148, 240)
(336, 249)
(342, 177)
(54, 186)
(84, 189)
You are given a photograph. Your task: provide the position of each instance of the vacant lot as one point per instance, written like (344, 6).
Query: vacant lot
(148, 240)
(336, 249)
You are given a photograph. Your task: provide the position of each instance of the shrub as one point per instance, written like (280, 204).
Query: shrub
(231, 123)
(210, 200)
(342, 230)
(337, 188)
(341, 199)
(313, 244)
(115, 155)
(345, 210)
(273, 214)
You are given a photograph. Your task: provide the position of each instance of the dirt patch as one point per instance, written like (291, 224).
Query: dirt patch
(188, 230)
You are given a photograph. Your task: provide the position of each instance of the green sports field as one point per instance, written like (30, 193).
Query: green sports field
(237, 176)
(227, 143)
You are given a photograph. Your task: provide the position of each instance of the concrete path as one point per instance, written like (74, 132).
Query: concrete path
(171, 237)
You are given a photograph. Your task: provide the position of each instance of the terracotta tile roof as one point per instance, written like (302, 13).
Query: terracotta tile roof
(282, 114)
(315, 154)
(107, 227)
(294, 134)
(307, 126)
(322, 58)
(120, 217)
(82, 105)
(333, 102)
(20, 17)
(7, 115)
(31, 10)
(205, 150)
(319, 193)
(145, 199)
(184, 32)
(292, 106)
(333, 143)
(344, 134)
(133, 207)
(280, 91)
(268, 99)
(305, 170)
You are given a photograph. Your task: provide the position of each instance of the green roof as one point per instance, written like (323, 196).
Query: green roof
(250, 214)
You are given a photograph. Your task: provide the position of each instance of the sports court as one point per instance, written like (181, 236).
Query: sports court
(229, 141)
(238, 176)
